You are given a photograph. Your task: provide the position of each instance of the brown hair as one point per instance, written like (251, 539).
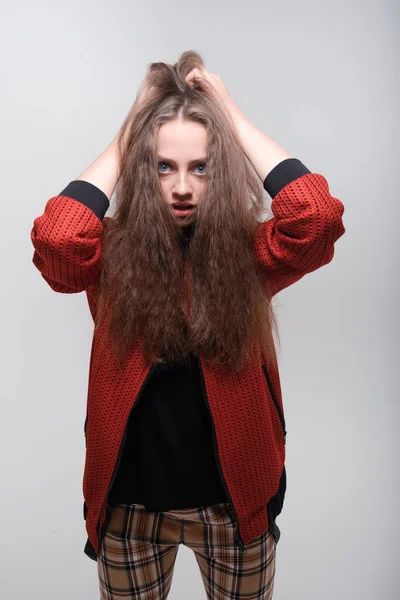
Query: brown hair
(143, 268)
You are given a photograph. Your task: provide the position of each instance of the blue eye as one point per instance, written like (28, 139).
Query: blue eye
(202, 165)
(162, 163)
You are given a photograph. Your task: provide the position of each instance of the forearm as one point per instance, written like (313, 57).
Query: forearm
(104, 172)
(263, 153)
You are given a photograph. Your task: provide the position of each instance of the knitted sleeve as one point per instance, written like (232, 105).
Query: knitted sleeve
(67, 237)
(307, 222)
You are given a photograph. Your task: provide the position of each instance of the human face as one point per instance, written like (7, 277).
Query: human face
(182, 157)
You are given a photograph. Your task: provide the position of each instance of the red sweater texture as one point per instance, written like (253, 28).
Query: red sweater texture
(245, 407)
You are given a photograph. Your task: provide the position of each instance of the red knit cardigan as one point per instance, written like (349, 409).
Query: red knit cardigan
(246, 408)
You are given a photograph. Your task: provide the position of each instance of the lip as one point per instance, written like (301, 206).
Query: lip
(183, 209)
(182, 212)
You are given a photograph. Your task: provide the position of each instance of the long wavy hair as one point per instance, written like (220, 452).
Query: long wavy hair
(144, 259)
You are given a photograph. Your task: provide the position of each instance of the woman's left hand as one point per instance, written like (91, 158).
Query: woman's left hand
(213, 85)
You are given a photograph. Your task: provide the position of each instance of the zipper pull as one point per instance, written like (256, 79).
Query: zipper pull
(239, 543)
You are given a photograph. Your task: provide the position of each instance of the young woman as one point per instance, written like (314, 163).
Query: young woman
(185, 428)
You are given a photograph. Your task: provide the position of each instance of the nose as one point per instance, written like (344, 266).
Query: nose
(182, 186)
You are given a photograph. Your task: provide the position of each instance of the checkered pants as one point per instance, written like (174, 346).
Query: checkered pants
(138, 552)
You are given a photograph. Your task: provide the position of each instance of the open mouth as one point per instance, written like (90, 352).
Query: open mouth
(182, 210)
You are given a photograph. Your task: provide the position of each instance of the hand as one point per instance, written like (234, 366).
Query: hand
(213, 85)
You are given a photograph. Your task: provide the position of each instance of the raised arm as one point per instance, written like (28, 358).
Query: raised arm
(67, 237)
(307, 219)
(104, 172)
(307, 222)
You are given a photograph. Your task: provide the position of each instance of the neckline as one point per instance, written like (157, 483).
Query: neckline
(187, 233)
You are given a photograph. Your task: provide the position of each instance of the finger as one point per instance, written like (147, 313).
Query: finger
(194, 82)
(195, 73)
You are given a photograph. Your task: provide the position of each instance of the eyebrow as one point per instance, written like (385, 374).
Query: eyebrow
(169, 160)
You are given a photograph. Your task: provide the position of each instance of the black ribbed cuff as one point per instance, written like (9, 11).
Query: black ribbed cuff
(283, 173)
(89, 194)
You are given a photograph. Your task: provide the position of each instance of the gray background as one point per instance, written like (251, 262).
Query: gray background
(320, 79)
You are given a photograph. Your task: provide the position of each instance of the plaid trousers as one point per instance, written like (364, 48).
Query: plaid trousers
(139, 548)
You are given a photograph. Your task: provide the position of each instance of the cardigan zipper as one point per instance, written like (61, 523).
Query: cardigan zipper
(117, 465)
(238, 541)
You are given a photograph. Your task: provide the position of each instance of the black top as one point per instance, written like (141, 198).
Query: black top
(167, 461)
